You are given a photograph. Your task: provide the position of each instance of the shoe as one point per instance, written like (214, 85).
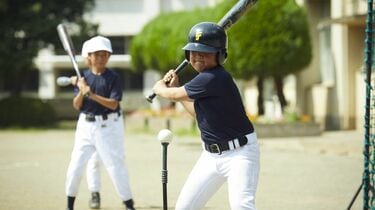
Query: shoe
(94, 203)
(129, 204)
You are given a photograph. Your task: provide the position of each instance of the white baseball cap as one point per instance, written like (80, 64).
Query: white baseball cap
(84, 52)
(97, 43)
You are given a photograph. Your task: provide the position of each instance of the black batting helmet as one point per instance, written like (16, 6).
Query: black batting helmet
(207, 37)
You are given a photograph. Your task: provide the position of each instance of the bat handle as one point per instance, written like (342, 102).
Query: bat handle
(180, 67)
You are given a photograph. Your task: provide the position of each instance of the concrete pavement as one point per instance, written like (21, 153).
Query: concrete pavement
(310, 173)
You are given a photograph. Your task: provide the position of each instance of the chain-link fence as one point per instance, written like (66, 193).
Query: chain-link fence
(369, 141)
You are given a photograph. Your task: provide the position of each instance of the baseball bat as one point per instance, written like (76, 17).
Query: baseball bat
(230, 18)
(177, 70)
(68, 46)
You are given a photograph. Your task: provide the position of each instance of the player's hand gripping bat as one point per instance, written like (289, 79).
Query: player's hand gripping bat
(68, 46)
(226, 22)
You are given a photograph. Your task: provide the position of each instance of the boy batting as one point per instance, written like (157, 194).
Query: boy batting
(230, 148)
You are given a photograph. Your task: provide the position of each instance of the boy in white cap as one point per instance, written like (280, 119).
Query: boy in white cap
(100, 127)
(93, 165)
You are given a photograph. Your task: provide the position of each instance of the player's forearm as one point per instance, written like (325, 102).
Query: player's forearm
(106, 102)
(189, 106)
(78, 101)
(171, 93)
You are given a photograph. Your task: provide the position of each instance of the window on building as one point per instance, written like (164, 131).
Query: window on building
(118, 44)
(121, 44)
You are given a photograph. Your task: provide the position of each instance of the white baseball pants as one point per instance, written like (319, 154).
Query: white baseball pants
(106, 137)
(93, 173)
(239, 167)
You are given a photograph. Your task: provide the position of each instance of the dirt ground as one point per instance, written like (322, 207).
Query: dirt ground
(309, 173)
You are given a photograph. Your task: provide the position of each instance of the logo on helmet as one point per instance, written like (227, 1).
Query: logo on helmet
(198, 35)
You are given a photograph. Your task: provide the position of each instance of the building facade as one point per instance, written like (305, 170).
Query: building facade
(332, 88)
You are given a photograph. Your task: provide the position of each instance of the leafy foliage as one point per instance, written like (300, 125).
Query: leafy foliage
(26, 112)
(272, 39)
(159, 45)
(27, 26)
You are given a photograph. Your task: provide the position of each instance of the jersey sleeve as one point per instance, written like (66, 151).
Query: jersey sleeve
(201, 86)
(116, 90)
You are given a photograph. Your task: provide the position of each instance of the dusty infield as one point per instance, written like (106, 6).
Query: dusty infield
(310, 173)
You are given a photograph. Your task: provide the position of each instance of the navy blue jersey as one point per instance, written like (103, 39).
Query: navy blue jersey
(107, 85)
(220, 113)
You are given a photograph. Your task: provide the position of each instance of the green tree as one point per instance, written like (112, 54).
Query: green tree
(28, 26)
(159, 45)
(270, 41)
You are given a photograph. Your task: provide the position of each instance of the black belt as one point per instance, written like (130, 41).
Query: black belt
(230, 145)
(92, 118)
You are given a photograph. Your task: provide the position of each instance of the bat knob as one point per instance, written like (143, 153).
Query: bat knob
(63, 81)
(151, 97)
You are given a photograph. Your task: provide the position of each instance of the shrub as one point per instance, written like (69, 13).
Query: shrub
(16, 111)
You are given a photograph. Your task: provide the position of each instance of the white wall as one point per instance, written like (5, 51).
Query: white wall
(123, 17)
(127, 17)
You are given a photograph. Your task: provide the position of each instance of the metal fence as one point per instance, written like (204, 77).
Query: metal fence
(369, 140)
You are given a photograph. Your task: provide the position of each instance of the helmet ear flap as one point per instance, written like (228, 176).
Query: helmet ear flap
(187, 55)
(221, 56)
